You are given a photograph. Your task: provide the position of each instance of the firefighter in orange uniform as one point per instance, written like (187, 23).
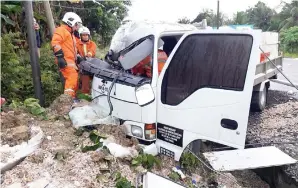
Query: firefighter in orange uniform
(64, 47)
(86, 48)
(145, 67)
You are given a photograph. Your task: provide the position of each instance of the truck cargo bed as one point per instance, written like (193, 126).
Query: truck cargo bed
(266, 70)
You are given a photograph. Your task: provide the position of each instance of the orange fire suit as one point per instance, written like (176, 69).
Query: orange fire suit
(64, 39)
(144, 67)
(86, 49)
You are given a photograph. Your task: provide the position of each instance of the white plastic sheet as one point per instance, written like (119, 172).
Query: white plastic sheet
(18, 152)
(92, 114)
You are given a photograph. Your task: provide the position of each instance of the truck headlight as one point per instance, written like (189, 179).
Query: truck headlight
(136, 131)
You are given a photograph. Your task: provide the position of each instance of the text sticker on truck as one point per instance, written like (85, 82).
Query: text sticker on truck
(170, 134)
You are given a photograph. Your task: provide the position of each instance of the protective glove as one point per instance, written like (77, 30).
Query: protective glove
(60, 57)
(112, 55)
(61, 63)
(80, 59)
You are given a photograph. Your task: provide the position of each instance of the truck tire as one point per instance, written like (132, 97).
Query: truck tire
(259, 100)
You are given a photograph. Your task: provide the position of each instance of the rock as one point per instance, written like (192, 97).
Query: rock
(16, 135)
(141, 169)
(97, 156)
(15, 185)
(40, 183)
(77, 183)
(196, 178)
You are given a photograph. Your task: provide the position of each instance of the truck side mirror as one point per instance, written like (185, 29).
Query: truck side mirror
(144, 94)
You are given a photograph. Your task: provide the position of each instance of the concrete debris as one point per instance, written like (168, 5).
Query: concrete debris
(60, 162)
(40, 183)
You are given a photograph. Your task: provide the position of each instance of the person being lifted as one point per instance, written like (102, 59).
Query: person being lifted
(64, 47)
(86, 48)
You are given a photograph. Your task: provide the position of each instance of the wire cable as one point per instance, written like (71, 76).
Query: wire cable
(278, 69)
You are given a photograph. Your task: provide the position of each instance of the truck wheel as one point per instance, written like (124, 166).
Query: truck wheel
(259, 100)
(196, 147)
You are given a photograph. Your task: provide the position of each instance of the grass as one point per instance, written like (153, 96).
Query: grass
(101, 52)
(290, 55)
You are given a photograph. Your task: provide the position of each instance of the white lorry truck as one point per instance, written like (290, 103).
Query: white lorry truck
(204, 91)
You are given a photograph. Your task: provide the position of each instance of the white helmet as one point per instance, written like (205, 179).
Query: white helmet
(71, 19)
(84, 30)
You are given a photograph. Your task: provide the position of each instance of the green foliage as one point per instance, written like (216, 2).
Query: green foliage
(240, 18)
(288, 15)
(31, 105)
(189, 161)
(174, 176)
(148, 161)
(122, 182)
(290, 55)
(16, 77)
(260, 15)
(95, 138)
(184, 20)
(289, 40)
(84, 96)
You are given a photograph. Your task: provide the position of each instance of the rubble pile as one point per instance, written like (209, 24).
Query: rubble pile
(62, 160)
(14, 128)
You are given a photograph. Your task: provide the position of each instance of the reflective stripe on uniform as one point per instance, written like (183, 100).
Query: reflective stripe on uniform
(85, 49)
(68, 90)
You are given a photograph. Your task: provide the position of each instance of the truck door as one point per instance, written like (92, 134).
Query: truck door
(205, 88)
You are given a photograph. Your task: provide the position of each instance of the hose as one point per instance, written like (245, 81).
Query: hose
(109, 93)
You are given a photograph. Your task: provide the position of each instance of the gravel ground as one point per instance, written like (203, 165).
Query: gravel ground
(277, 123)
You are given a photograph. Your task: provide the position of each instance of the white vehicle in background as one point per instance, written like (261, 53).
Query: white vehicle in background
(204, 92)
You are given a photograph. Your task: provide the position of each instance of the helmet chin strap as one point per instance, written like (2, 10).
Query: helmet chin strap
(85, 40)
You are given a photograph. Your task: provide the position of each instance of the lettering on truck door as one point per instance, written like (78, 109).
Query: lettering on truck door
(205, 88)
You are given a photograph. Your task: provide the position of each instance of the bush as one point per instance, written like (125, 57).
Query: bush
(289, 40)
(16, 77)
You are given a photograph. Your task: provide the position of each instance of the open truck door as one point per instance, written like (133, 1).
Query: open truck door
(205, 89)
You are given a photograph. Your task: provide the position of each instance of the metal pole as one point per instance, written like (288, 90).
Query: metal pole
(278, 69)
(217, 14)
(49, 16)
(33, 52)
(284, 83)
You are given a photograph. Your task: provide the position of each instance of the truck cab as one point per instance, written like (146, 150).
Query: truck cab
(203, 92)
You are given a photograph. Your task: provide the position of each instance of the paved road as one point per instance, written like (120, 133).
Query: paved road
(290, 69)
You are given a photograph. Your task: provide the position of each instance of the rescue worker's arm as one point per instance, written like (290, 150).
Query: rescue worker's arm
(57, 40)
(91, 49)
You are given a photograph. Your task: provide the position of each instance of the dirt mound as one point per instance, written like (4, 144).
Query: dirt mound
(118, 133)
(61, 105)
(14, 128)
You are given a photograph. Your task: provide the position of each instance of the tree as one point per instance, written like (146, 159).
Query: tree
(240, 18)
(289, 39)
(103, 17)
(289, 15)
(260, 15)
(184, 20)
(211, 18)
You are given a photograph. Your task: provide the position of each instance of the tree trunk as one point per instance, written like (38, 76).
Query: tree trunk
(49, 15)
